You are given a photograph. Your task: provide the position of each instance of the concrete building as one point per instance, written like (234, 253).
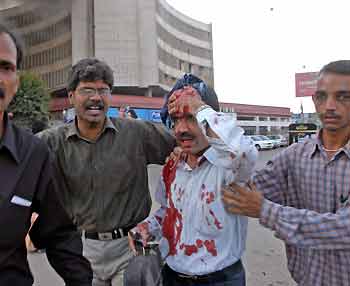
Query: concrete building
(306, 118)
(46, 33)
(148, 44)
(258, 119)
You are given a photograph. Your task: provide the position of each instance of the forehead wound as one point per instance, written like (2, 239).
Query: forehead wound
(185, 91)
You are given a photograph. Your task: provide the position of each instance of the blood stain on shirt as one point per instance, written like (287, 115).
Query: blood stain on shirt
(193, 248)
(189, 249)
(186, 109)
(159, 219)
(143, 227)
(179, 194)
(210, 197)
(211, 247)
(172, 223)
(216, 221)
(199, 243)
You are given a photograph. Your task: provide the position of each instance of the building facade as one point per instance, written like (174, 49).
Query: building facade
(47, 37)
(258, 119)
(148, 44)
(306, 118)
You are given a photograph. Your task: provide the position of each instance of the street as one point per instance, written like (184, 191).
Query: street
(265, 260)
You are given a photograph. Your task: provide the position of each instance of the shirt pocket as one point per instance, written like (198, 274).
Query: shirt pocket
(210, 212)
(17, 219)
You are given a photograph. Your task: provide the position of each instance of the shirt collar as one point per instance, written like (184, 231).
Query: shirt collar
(317, 145)
(74, 131)
(8, 140)
(183, 164)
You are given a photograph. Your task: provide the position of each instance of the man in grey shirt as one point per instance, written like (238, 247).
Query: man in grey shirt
(103, 164)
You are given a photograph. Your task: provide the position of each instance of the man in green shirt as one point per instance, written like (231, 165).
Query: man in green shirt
(103, 164)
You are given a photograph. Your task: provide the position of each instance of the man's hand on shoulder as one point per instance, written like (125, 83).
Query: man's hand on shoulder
(240, 200)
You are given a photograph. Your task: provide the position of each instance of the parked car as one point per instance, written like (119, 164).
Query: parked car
(265, 138)
(261, 143)
(276, 141)
(281, 139)
(284, 141)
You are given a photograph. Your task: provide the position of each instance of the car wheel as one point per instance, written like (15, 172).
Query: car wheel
(257, 146)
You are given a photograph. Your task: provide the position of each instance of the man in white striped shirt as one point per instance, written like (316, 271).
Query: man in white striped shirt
(202, 244)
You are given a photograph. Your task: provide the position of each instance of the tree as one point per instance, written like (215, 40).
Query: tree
(31, 101)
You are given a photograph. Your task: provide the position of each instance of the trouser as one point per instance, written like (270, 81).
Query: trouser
(108, 260)
(233, 275)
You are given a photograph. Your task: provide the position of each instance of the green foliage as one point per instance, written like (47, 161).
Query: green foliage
(31, 101)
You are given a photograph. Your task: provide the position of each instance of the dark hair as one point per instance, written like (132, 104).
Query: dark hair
(89, 69)
(210, 98)
(132, 113)
(17, 41)
(338, 67)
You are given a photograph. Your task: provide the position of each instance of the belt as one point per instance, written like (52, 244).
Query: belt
(108, 235)
(236, 267)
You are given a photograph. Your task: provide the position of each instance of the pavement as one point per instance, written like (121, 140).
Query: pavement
(264, 260)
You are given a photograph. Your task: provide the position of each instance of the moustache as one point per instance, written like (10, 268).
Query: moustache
(330, 115)
(2, 93)
(185, 136)
(98, 104)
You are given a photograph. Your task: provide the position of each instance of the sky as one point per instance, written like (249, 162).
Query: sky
(259, 45)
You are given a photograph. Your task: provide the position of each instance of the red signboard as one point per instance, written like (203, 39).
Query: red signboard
(305, 84)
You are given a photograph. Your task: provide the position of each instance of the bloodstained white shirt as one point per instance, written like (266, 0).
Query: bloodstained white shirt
(197, 235)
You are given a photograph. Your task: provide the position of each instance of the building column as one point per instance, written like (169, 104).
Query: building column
(149, 92)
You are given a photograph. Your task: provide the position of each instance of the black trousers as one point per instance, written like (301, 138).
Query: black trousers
(233, 275)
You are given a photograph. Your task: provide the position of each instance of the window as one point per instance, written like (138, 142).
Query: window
(249, 130)
(263, 130)
(245, 118)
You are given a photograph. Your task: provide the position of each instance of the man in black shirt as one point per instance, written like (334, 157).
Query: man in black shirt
(27, 185)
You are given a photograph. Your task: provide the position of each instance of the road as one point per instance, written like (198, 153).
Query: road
(264, 260)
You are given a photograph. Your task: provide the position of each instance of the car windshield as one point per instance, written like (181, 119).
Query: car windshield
(255, 138)
(262, 137)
